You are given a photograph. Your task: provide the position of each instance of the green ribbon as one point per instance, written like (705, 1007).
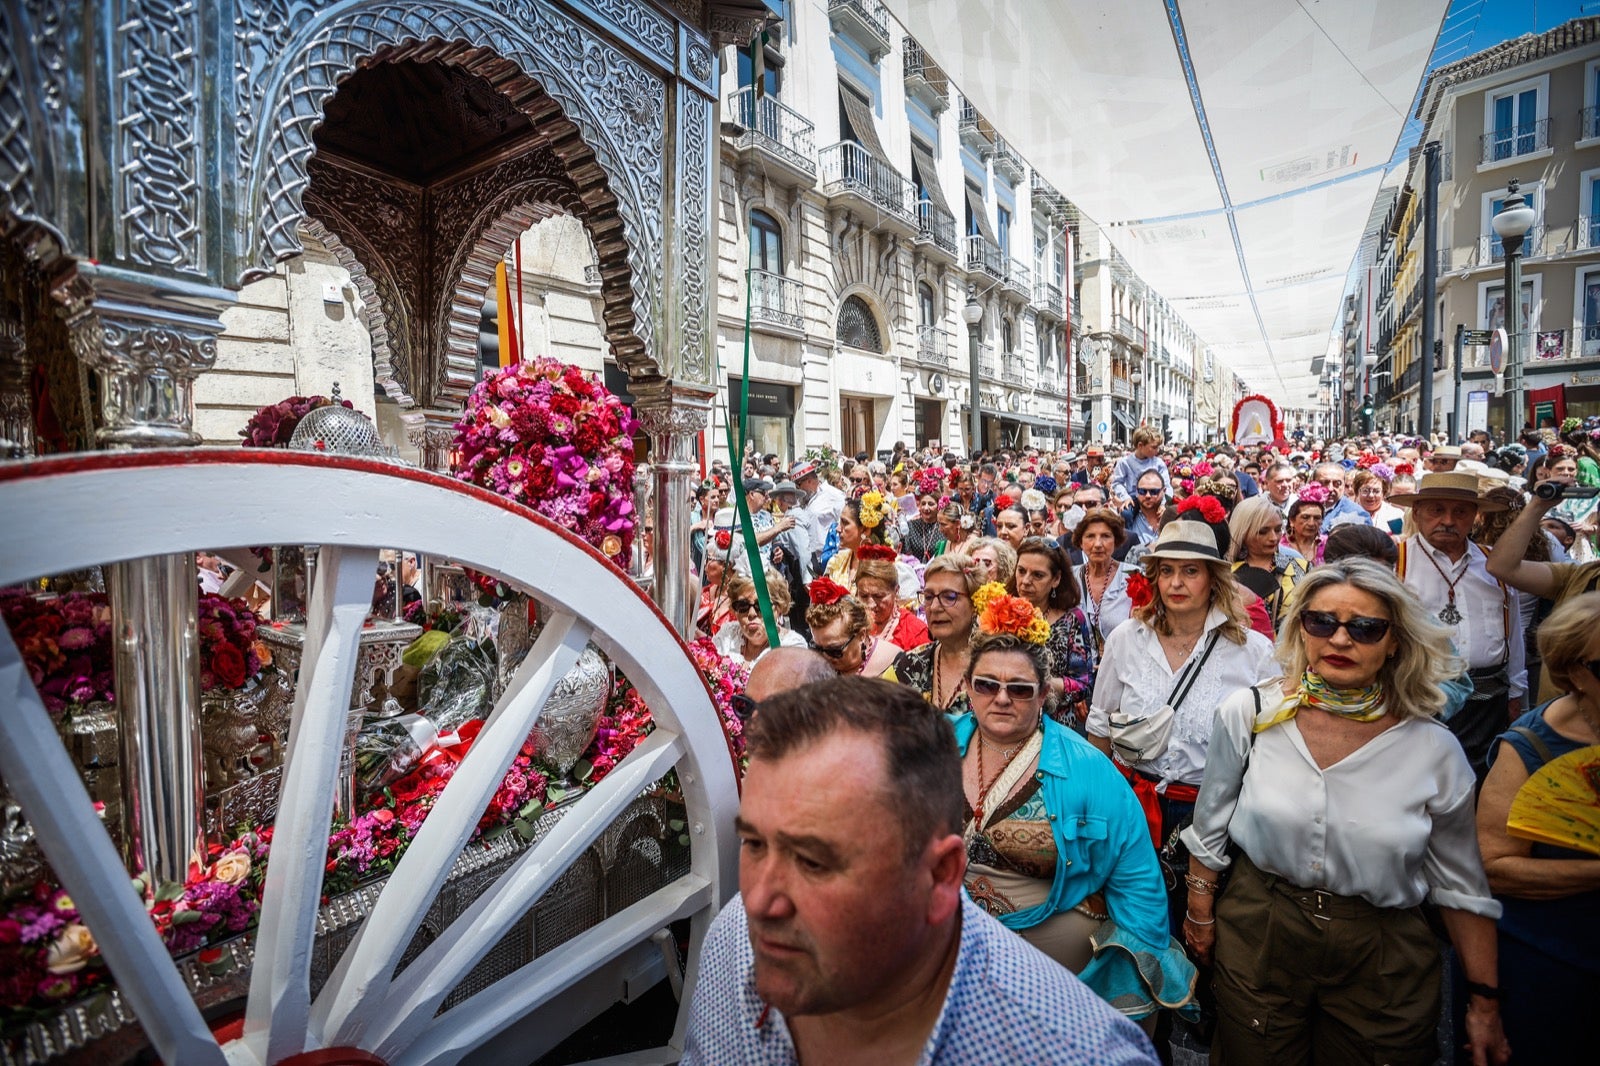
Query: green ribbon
(736, 448)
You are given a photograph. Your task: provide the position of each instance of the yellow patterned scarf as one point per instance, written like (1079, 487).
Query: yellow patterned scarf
(1358, 704)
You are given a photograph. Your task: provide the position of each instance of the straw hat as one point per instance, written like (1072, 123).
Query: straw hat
(1448, 485)
(1446, 451)
(1185, 539)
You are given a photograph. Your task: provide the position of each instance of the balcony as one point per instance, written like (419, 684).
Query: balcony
(1046, 199)
(1491, 250)
(1047, 298)
(773, 138)
(936, 228)
(1588, 123)
(975, 131)
(1445, 257)
(988, 366)
(864, 21)
(1007, 162)
(1513, 142)
(1013, 371)
(1019, 279)
(1411, 376)
(1123, 326)
(982, 256)
(1121, 389)
(854, 177)
(1586, 233)
(933, 346)
(776, 300)
(924, 80)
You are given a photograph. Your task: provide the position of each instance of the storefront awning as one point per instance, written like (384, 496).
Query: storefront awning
(1122, 416)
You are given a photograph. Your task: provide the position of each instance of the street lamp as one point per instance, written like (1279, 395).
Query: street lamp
(1511, 224)
(972, 315)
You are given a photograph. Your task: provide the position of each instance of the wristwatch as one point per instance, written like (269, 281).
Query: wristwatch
(1486, 991)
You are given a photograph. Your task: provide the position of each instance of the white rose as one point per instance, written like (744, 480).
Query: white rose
(72, 950)
(232, 868)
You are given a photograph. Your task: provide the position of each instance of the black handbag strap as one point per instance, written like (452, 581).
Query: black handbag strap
(1191, 673)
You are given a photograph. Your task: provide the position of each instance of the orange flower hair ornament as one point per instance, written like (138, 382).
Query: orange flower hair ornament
(1016, 616)
(825, 590)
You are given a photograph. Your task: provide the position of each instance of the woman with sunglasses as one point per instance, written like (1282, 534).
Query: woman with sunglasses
(1044, 579)
(1347, 807)
(744, 638)
(1549, 940)
(878, 590)
(1055, 847)
(841, 630)
(938, 669)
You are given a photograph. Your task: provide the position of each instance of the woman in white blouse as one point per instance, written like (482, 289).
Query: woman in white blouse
(1349, 805)
(1189, 646)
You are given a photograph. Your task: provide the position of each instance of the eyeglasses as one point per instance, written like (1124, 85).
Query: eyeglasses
(1149, 492)
(858, 481)
(745, 606)
(742, 705)
(1323, 624)
(1017, 690)
(838, 650)
(946, 599)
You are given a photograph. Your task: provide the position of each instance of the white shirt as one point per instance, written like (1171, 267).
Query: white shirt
(1115, 608)
(1481, 635)
(1392, 822)
(729, 641)
(824, 507)
(1134, 676)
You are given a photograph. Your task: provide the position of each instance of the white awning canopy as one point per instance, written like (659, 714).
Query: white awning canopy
(1240, 193)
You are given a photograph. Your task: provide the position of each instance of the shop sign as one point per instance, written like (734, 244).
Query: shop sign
(765, 398)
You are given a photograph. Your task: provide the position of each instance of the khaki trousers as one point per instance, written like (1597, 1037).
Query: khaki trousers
(1306, 977)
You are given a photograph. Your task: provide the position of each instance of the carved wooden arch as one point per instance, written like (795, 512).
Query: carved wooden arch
(374, 312)
(603, 113)
(499, 226)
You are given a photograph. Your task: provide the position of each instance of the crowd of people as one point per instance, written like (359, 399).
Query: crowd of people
(1245, 739)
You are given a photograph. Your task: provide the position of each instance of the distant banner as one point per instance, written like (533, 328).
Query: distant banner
(1551, 344)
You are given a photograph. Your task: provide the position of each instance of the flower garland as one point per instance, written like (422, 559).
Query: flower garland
(541, 433)
(272, 426)
(65, 642)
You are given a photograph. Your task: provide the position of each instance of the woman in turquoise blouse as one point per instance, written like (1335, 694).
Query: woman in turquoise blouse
(1056, 843)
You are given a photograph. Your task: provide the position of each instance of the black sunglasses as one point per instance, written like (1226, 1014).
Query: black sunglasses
(1322, 625)
(1017, 690)
(744, 606)
(742, 705)
(1150, 492)
(838, 651)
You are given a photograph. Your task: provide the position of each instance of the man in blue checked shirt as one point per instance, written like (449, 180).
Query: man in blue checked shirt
(851, 940)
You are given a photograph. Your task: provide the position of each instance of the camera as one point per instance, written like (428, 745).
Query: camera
(1555, 490)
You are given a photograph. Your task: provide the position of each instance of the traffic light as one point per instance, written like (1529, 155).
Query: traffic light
(1367, 407)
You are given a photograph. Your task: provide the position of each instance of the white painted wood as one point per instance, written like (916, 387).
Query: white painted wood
(349, 1002)
(416, 995)
(46, 784)
(453, 1034)
(278, 1009)
(84, 510)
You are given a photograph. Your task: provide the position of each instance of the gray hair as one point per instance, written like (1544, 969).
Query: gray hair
(1424, 658)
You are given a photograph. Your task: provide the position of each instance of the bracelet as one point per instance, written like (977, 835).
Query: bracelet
(1197, 921)
(1486, 991)
(1200, 884)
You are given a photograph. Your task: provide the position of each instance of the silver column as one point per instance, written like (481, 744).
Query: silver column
(147, 339)
(674, 420)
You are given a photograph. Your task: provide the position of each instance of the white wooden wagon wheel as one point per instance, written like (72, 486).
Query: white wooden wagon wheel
(68, 513)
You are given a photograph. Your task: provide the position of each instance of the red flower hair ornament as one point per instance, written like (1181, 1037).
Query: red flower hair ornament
(1210, 508)
(1002, 502)
(1139, 591)
(880, 552)
(724, 539)
(825, 590)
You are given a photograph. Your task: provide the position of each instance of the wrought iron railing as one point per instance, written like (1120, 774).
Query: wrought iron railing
(1007, 161)
(987, 364)
(1048, 296)
(933, 346)
(982, 255)
(936, 226)
(1122, 387)
(1019, 277)
(1492, 250)
(1124, 326)
(777, 299)
(1013, 370)
(1588, 123)
(872, 15)
(1586, 233)
(774, 128)
(848, 167)
(1511, 142)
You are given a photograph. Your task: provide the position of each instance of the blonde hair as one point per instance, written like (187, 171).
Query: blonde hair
(777, 591)
(1424, 658)
(1146, 435)
(1565, 634)
(1225, 597)
(1248, 519)
(954, 563)
(1005, 558)
(849, 608)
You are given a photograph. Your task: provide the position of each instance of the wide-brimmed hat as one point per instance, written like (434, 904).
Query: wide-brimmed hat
(802, 470)
(1445, 451)
(785, 488)
(1185, 539)
(1447, 485)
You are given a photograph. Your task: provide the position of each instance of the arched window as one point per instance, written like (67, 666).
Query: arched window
(766, 243)
(927, 312)
(1008, 336)
(858, 327)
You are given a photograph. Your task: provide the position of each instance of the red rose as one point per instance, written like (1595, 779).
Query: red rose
(1139, 591)
(563, 404)
(724, 539)
(590, 438)
(227, 662)
(597, 502)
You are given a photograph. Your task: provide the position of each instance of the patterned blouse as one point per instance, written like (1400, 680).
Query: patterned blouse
(1073, 660)
(921, 539)
(915, 668)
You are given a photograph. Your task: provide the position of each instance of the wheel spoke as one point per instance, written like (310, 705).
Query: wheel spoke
(455, 1033)
(40, 774)
(349, 1002)
(416, 994)
(280, 997)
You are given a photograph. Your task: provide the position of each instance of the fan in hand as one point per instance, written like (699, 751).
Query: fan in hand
(1560, 803)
